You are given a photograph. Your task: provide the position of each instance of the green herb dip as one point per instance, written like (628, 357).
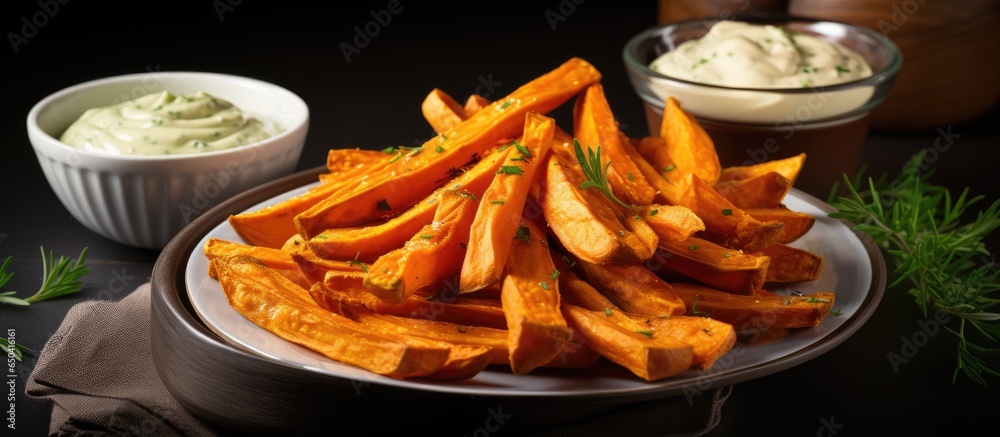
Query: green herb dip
(166, 124)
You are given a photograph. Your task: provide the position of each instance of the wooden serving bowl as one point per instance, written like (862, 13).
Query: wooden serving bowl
(950, 56)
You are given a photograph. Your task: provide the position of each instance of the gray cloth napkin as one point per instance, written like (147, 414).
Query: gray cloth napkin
(97, 369)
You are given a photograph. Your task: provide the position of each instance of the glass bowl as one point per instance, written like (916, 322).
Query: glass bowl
(748, 125)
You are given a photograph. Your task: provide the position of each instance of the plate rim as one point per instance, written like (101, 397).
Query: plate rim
(168, 282)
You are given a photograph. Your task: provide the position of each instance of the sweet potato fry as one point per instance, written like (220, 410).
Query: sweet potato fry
(441, 111)
(761, 191)
(788, 167)
(594, 125)
(708, 339)
(672, 223)
(430, 255)
(643, 352)
(791, 264)
(344, 164)
(366, 243)
(701, 260)
(475, 103)
(279, 260)
(276, 304)
(586, 223)
(413, 174)
(756, 311)
(795, 224)
(348, 287)
(688, 147)
(633, 288)
(530, 299)
(314, 268)
(499, 213)
(725, 224)
(494, 339)
(466, 358)
(273, 225)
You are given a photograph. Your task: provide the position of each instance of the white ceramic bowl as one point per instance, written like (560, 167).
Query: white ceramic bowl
(143, 201)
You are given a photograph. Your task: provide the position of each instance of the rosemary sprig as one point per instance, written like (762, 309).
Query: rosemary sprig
(596, 171)
(19, 349)
(60, 277)
(918, 224)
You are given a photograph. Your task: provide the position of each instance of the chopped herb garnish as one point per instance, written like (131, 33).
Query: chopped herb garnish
(396, 158)
(439, 149)
(693, 247)
(427, 237)
(505, 105)
(621, 233)
(358, 263)
(694, 309)
(468, 195)
(383, 204)
(646, 333)
(523, 234)
(389, 149)
(524, 150)
(569, 261)
(670, 167)
(654, 211)
(836, 312)
(510, 170)
(637, 217)
(727, 211)
(497, 202)
(725, 255)
(816, 300)
(791, 40)
(544, 285)
(607, 312)
(555, 274)
(630, 176)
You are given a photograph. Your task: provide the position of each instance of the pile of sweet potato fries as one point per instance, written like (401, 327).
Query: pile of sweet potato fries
(507, 241)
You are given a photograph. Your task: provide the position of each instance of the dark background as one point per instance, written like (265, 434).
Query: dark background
(373, 101)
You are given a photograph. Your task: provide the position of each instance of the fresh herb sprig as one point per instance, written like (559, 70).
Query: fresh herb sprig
(596, 171)
(18, 349)
(919, 225)
(60, 277)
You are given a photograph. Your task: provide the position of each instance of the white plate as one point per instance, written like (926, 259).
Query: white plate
(854, 270)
